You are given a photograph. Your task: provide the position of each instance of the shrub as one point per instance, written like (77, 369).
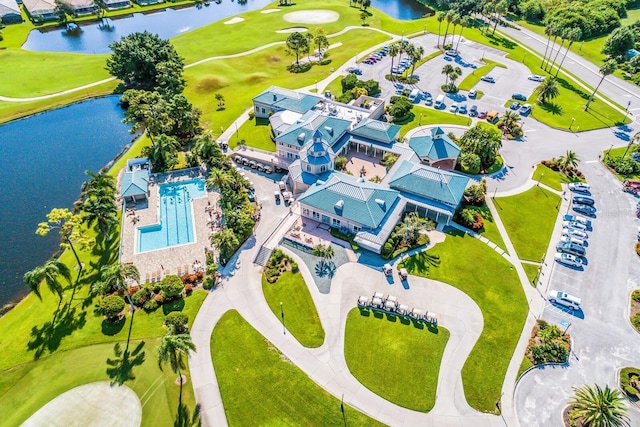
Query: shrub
(199, 275)
(172, 286)
(294, 267)
(470, 219)
(636, 295)
(150, 305)
(470, 163)
(188, 289)
(140, 297)
(475, 194)
(112, 306)
(212, 269)
(635, 320)
(189, 278)
(252, 114)
(387, 250)
(176, 322)
(207, 282)
(340, 163)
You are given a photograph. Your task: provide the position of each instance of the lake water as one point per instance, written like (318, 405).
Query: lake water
(42, 164)
(96, 38)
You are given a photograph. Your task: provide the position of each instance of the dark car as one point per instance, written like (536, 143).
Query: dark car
(585, 209)
(519, 97)
(584, 200)
(488, 79)
(571, 248)
(515, 105)
(473, 111)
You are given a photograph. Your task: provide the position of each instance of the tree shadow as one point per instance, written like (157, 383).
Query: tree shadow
(113, 328)
(497, 40)
(120, 368)
(186, 418)
(551, 107)
(175, 305)
(48, 336)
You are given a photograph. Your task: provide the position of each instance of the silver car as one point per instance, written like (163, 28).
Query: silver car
(563, 298)
(572, 239)
(574, 232)
(568, 259)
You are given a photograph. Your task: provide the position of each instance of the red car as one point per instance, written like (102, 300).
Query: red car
(482, 115)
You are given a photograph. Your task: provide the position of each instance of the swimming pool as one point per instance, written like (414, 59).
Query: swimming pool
(175, 225)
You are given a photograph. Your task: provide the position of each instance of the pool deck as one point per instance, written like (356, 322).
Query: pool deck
(156, 264)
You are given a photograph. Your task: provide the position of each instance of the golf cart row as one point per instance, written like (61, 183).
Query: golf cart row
(390, 304)
(253, 164)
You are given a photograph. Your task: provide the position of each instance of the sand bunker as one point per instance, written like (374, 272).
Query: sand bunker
(312, 16)
(292, 30)
(233, 21)
(270, 10)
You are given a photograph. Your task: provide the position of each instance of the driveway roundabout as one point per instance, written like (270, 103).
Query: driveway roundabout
(91, 405)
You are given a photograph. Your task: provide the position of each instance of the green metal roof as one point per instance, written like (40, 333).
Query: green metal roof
(436, 146)
(356, 200)
(330, 128)
(431, 183)
(377, 130)
(285, 99)
(135, 183)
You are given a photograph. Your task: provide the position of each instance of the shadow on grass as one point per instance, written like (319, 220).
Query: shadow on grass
(113, 328)
(497, 40)
(406, 119)
(175, 305)
(48, 336)
(422, 263)
(120, 368)
(186, 418)
(551, 107)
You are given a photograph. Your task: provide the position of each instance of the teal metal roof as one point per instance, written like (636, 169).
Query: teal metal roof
(431, 183)
(285, 99)
(330, 128)
(434, 148)
(377, 130)
(135, 183)
(356, 200)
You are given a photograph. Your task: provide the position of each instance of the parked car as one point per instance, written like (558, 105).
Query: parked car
(514, 105)
(473, 93)
(473, 111)
(428, 101)
(260, 167)
(577, 218)
(253, 164)
(356, 71)
(525, 109)
(570, 248)
(563, 298)
(574, 224)
(488, 79)
(453, 108)
(581, 200)
(245, 161)
(268, 169)
(585, 209)
(452, 53)
(536, 78)
(572, 239)
(482, 115)
(579, 187)
(567, 259)
(462, 109)
(519, 97)
(237, 159)
(575, 232)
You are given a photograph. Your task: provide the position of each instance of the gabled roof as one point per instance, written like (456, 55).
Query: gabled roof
(430, 183)
(376, 130)
(330, 128)
(39, 7)
(135, 183)
(356, 200)
(436, 146)
(9, 6)
(285, 99)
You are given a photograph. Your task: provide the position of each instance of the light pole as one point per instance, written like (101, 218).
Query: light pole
(540, 179)
(627, 111)
(284, 330)
(573, 119)
(609, 152)
(316, 86)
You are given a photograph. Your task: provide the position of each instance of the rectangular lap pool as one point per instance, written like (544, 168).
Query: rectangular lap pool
(175, 225)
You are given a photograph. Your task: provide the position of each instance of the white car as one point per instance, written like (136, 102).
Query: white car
(572, 239)
(567, 259)
(574, 224)
(453, 108)
(580, 187)
(536, 78)
(575, 233)
(473, 93)
(563, 298)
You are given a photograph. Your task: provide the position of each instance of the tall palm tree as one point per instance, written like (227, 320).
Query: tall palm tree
(500, 9)
(634, 140)
(162, 153)
(441, 17)
(449, 16)
(573, 35)
(455, 21)
(599, 407)
(226, 242)
(447, 70)
(607, 68)
(48, 273)
(173, 349)
(103, 212)
(510, 119)
(464, 22)
(410, 50)
(417, 54)
(569, 159)
(548, 89)
(393, 51)
(219, 178)
(550, 31)
(563, 36)
(98, 183)
(114, 277)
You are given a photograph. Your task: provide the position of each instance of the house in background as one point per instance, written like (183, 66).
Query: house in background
(435, 149)
(116, 4)
(277, 99)
(83, 7)
(41, 10)
(10, 12)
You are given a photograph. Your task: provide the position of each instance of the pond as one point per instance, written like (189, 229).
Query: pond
(42, 163)
(95, 37)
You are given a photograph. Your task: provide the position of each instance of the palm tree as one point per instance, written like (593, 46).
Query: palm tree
(455, 21)
(447, 70)
(550, 31)
(548, 89)
(509, 120)
(219, 178)
(97, 184)
(449, 17)
(320, 39)
(563, 36)
(416, 56)
(226, 242)
(464, 22)
(393, 51)
(115, 277)
(634, 140)
(599, 407)
(441, 17)
(573, 35)
(173, 349)
(102, 211)
(607, 68)
(569, 159)
(162, 153)
(48, 273)
(453, 76)
(500, 9)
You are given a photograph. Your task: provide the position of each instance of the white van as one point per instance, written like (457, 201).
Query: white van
(414, 95)
(439, 102)
(565, 299)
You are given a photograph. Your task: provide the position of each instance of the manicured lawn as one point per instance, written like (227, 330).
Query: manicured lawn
(260, 386)
(300, 315)
(256, 133)
(526, 364)
(552, 178)
(422, 116)
(481, 273)
(472, 79)
(395, 358)
(618, 152)
(26, 388)
(529, 218)
(489, 229)
(497, 165)
(532, 272)
(335, 87)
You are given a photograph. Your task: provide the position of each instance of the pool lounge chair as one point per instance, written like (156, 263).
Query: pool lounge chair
(363, 301)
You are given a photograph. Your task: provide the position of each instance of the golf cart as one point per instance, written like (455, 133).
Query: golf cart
(387, 269)
(403, 274)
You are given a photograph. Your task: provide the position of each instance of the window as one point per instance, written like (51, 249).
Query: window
(305, 211)
(308, 168)
(315, 215)
(263, 110)
(257, 109)
(289, 155)
(336, 222)
(323, 168)
(356, 229)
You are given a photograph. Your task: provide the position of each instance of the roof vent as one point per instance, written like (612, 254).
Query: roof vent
(301, 137)
(319, 182)
(339, 206)
(275, 97)
(329, 129)
(382, 204)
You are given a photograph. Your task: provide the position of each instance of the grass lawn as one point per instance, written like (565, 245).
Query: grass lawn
(335, 87)
(496, 166)
(532, 272)
(422, 116)
(260, 386)
(256, 133)
(471, 266)
(529, 218)
(301, 317)
(552, 178)
(618, 152)
(489, 229)
(26, 388)
(472, 79)
(382, 347)
(526, 364)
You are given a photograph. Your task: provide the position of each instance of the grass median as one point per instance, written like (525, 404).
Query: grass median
(472, 79)
(260, 386)
(551, 178)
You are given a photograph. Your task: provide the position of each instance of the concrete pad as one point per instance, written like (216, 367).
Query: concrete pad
(292, 30)
(96, 404)
(233, 21)
(312, 16)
